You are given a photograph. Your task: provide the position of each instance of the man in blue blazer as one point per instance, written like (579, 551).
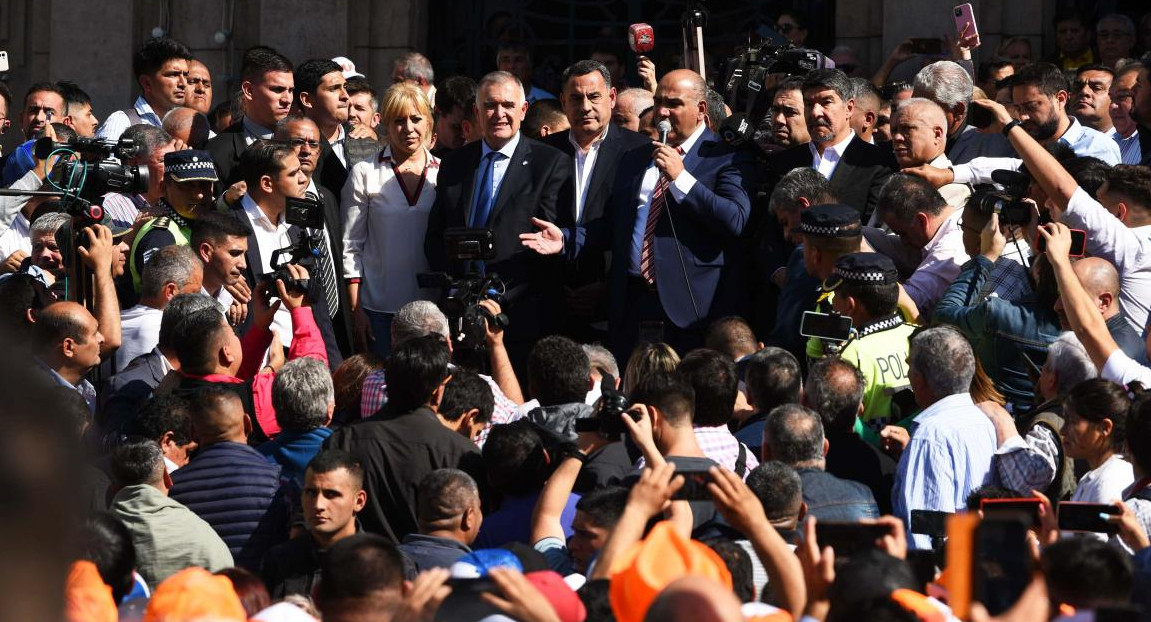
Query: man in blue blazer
(672, 227)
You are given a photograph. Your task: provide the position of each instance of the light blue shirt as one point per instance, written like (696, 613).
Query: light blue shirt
(1129, 148)
(1085, 141)
(84, 388)
(499, 169)
(950, 454)
(678, 189)
(118, 121)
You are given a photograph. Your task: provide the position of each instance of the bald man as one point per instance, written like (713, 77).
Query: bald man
(1101, 280)
(679, 209)
(694, 599)
(228, 483)
(919, 136)
(187, 125)
(68, 341)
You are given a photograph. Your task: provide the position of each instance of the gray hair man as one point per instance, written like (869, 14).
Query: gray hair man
(169, 272)
(415, 68)
(948, 84)
(954, 444)
(794, 436)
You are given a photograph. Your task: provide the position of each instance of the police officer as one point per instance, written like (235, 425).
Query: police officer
(187, 194)
(866, 289)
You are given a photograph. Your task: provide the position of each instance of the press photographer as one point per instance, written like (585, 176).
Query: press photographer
(283, 236)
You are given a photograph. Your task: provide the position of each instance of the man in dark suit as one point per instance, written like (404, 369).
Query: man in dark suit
(675, 220)
(502, 183)
(857, 169)
(266, 89)
(596, 147)
(304, 136)
(322, 97)
(272, 173)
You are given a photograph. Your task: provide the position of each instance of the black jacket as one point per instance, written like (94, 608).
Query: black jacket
(397, 451)
(857, 179)
(226, 148)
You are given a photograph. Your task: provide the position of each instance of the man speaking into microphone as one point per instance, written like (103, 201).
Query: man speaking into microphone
(677, 209)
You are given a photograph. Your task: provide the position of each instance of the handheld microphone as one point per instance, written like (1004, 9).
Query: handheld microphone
(664, 127)
(641, 38)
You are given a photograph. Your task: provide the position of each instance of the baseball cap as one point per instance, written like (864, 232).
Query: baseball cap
(195, 593)
(190, 165)
(348, 66)
(862, 268)
(830, 220)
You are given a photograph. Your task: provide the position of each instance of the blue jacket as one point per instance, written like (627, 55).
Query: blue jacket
(237, 491)
(293, 451)
(829, 498)
(1001, 332)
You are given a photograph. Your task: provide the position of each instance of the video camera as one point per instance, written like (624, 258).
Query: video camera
(746, 74)
(82, 180)
(308, 215)
(1008, 201)
(461, 295)
(611, 405)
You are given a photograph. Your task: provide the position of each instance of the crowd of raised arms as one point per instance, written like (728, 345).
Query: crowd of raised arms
(462, 349)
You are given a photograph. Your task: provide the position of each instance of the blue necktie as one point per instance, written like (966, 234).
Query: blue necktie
(484, 197)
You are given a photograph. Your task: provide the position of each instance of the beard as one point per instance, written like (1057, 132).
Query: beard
(816, 137)
(1044, 131)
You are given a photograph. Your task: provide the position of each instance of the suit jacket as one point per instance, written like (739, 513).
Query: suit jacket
(591, 267)
(857, 179)
(536, 177)
(342, 322)
(126, 391)
(226, 148)
(330, 171)
(254, 259)
(708, 223)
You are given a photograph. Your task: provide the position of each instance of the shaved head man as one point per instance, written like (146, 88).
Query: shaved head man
(629, 105)
(68, 339)
(919, 136)
(1101, 281)
(681, 98)
(694, 599)
(187, 125)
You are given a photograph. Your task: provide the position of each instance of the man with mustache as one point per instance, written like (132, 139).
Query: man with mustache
(855, 168)
(1090, 99)
(161, 70)
(919, 137)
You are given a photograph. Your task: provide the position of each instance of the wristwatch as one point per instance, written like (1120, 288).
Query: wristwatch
(1007, 128)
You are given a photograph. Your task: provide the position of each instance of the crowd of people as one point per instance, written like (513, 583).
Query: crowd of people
(457, 348)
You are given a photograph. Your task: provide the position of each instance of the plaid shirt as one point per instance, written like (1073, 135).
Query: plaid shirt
(374, 396)
(1008, 279)
(720, 445)
(1028, 463)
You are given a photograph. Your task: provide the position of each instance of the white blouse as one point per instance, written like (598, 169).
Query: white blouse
(384, 225)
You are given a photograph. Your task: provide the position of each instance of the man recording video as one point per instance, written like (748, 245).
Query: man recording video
(272, 173)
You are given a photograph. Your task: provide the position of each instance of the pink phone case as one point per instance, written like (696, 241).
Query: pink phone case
(964, 15)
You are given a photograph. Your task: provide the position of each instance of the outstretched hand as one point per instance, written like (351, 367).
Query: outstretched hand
(549, 240)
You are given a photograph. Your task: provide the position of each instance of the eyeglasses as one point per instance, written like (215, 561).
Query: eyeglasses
(967, 228)
(300, 142)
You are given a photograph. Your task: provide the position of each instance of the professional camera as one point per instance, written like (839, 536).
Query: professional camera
(1008, 201)
(461, 294)
(611, 405)
(746, 74)
(85, 172)
(308, 215)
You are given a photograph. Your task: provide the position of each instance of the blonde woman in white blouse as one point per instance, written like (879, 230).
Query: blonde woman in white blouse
(385, 212)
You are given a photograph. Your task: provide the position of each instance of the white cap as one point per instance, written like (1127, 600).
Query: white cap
(348, 66)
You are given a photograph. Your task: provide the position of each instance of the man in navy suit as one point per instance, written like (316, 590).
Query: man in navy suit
(674, 222)
(502, 183)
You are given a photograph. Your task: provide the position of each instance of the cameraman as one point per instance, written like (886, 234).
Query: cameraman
(1116, 224)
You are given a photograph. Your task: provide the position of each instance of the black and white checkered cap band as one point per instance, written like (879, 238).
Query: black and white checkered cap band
(854, 275)
(829, 232)
(187, 171)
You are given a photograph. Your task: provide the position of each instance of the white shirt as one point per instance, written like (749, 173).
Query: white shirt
(1084, 141)
(943, 257)
(955, 194)
(270, 237)
(584, 166)
(383, 233)
(826, 162)
(679, 190)
(140, 333)
(1104, 484)
(1128, 249)
(16, 238)
(338, 146)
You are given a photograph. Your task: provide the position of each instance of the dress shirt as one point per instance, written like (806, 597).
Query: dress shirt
(1026, 463)
(678, 189)
(10, 207)
(124, 209)
(1127, 248)
(84, 388)
(140, 330)
(383, 234)
(943, 257)
(118, 121)
(1129, 148)
(16, 238)
(950, 454)
(254, 131)
(827, 162)
(584, 165)
(270, 237)
(338, 146)
(720, 446)
(1084, 141)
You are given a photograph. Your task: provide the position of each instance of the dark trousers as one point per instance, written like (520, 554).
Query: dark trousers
(642, 310)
